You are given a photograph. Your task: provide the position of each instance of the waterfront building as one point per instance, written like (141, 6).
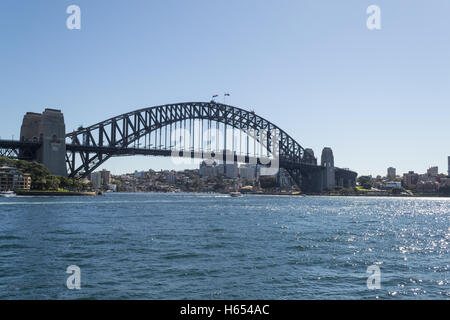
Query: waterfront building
(248, 171)
(101, 179)
(208, 168)
(230, 170)
(427, 178)
(106, 177)
(139, 174)
(171, 177)
(433, 171)
(391, 173)
(96, 180)
(13, 179)
(410, 179)
(430, 176)
(112, 187)
(220, 169)
(393, 184)
(427, 187)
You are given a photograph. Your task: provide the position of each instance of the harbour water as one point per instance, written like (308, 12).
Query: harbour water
(209, 246)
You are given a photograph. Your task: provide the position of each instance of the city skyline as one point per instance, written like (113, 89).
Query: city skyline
(366, 94)
(199, 161)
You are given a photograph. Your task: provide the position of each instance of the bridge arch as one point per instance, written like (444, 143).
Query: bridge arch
(88, 148)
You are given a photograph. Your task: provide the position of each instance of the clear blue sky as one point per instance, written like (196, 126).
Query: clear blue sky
(378, 98)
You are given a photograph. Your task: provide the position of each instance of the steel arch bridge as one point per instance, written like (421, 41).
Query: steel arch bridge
(179, 129)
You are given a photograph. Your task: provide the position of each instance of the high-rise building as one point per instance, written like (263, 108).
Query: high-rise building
(391, 173)
(106, 177)
(208, 168)
(100, 179)
(229, 170)
(448, 166)
(96, 180)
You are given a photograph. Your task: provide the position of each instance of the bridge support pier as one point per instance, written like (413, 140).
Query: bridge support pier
(49, 129)
(312, 182)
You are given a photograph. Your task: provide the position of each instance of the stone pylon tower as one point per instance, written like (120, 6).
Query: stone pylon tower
(327, 161)
(49, 129)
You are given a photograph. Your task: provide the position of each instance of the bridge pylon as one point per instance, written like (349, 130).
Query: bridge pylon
(49, 130)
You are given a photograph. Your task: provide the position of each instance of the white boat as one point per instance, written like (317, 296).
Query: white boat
(7, 194)
(235, 194)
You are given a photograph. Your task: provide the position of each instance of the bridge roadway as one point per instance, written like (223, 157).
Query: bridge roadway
(15, 146)
(119, 151)
(19, 149)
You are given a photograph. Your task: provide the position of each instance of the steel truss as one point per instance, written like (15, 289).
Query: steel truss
(88, 148)
(19, 150)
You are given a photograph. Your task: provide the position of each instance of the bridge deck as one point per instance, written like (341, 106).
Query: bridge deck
(13, 144)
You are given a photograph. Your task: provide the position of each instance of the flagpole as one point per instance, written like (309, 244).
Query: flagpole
(224, 97)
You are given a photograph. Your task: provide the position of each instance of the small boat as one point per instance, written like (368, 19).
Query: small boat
(7, 194)
(235, 194)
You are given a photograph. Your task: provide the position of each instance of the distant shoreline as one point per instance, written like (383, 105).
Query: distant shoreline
(93, 193)
(299, 195)
(54, 193)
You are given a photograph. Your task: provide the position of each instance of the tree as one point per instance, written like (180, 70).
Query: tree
(52, 183)
(365, 181)
(65, 183)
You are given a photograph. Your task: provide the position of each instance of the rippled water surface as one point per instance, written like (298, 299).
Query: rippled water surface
(187, 246)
